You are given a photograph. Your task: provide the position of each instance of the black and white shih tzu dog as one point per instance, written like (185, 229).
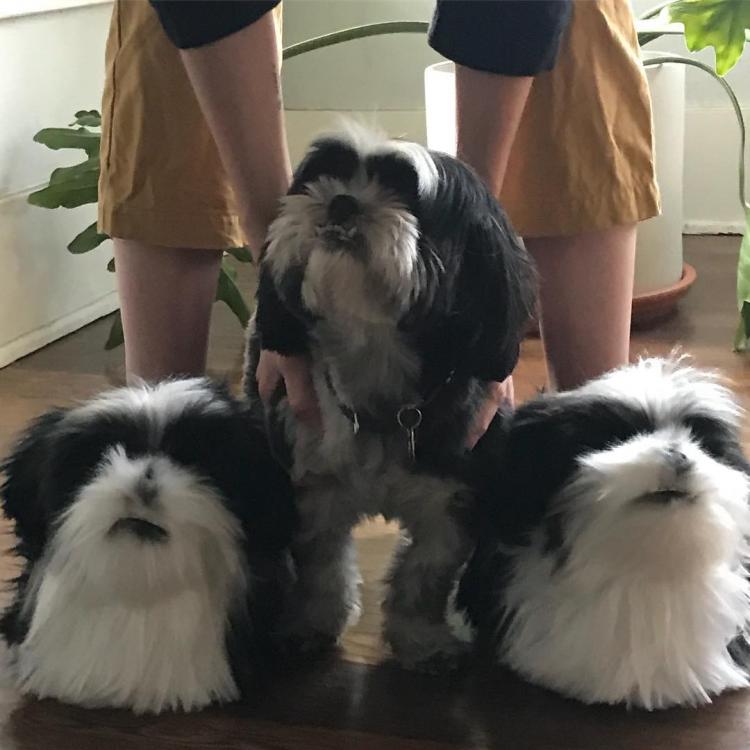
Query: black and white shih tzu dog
(153, 527)
(399, 275)
(611, 566)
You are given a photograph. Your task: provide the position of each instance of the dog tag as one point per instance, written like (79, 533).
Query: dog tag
(409, 418)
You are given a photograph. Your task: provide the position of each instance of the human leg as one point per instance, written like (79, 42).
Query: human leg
(166, 296)
(586, 291)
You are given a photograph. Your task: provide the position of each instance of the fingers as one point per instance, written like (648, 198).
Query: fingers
(303, 401)
(268, 376)
(482, 421)
(498, 395)
(295, 372)
(300, 391)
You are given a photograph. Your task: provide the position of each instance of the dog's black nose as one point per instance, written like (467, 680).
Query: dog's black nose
(342, 208)
(146, 488)
(677, 460)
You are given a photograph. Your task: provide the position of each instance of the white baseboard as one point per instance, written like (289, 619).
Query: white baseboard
(714, 227)
(33, 340)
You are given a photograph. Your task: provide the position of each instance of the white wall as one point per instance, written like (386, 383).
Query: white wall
(384, 76)
(379, 73)
(51, 64)
(378, 79)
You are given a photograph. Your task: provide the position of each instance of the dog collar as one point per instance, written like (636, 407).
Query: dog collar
(407, 417)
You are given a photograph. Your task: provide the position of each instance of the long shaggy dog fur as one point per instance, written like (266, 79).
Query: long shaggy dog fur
(612, 566)
(153, 526)
(397, 273)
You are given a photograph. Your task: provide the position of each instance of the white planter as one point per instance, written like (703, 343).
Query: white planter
(440, 107)
(659, 258)
(659, 254)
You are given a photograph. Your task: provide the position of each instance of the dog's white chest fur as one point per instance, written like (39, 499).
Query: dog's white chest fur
(117, 620)
(656, 643)
(168, 654)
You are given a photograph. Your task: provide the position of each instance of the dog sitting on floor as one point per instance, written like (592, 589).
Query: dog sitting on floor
(153, 527)
(399, 275)
(611, 566)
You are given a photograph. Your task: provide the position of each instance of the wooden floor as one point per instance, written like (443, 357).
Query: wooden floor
(357, 700)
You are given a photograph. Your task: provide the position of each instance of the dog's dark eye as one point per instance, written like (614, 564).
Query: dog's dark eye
(397, 175)
(717, 439)
(328, 158)
(708, 432)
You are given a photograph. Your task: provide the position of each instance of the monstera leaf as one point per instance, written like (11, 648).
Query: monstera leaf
(721, 24)
(70, 186)
(56, 138)
(73, 186)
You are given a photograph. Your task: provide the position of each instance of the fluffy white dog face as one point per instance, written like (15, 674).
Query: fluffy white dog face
(616, 571)
(165, 520)
(143, 517)
(673, 498)
(658, 505)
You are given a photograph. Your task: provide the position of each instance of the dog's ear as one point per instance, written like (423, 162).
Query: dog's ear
(546, 437)
(233, 452)
(495, 295)
(521, 497)
(25, 470)
(328, 155)
(538, 455)
(486, 454)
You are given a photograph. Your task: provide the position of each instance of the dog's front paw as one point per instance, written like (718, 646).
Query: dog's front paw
(313, 633)
(309, 644)
(426, 647)
(302, 637)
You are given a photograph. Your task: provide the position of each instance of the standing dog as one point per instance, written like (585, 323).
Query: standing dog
(153, 526)
(398, 274)
(611, 566)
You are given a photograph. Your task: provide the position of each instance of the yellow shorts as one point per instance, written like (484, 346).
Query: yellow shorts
(582, 158)
(161, 178)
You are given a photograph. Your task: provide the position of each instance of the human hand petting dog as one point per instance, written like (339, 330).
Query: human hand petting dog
(295, 372)
(273, 368)
(498, 395)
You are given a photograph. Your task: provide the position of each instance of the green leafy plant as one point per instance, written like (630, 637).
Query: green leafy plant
(721, 24)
